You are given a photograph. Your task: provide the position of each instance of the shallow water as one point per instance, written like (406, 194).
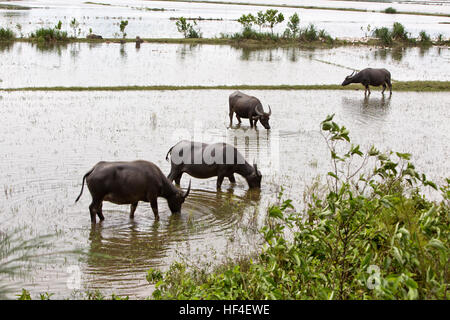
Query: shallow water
(48, 140)
(104, 20)
(113, 64)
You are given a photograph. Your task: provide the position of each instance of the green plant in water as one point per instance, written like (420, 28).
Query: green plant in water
(187, 29)
(424, 38)
(260, 19)
(74, 25)
(293, 26)
(384, 35)
(273, 18)
(122, 26)
(368, 234)
(399, 32)
(247, 20)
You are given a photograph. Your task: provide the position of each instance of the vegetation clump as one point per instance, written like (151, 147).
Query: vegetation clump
(390, 10)
(49, 34)
(187, 28)
(368, 233)
(6, 34)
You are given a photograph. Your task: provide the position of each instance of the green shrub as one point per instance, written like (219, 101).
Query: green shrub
(424, 37)
(49, 35)
(6, 34)
(390, 10)
(293, 26)
(310, 33)
(384, 35)
(398, 32)
(187, 29)
(370, 234)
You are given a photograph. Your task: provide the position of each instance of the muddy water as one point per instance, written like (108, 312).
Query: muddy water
(105, 19)
(49, 140)
(83, 64)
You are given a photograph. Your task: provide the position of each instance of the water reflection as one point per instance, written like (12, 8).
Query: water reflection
(119, 247)
(368, 107)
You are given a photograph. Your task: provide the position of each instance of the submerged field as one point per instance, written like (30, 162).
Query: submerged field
(50, 139)
(65, 107)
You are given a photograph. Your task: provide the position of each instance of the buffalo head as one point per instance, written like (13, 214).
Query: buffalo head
(254, 179)
(348, 79)
(176, 200)
(263, 117)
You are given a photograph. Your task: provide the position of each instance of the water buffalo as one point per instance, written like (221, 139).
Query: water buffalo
(129, 183)
(369, 76)
(202, 161)
(248, 107)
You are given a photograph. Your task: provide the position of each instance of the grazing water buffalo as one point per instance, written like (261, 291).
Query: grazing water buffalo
(248, 107)
(129, 183)
(202, 161)
(369, 76)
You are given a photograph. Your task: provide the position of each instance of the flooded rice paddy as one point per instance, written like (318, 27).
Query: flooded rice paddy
(48, 140)
(113, 64)
(152, 19)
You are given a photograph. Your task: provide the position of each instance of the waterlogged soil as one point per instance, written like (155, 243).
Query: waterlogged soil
(220, 18)
(113, 64)
(49, 140)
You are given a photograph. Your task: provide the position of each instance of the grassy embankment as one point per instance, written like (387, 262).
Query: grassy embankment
(399, 86)
(308, 7)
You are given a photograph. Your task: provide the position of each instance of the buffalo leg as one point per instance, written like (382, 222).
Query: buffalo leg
(100, 212)
(178, 179)
(384, 88)
(219, 181)
(390, 86)
(154, 204)
(133, 209)
(238, 119)
(231, 118)
(95, 209)
(231, 178)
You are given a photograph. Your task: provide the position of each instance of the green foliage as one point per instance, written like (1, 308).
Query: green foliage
(260, 19)
(59, 25)
(370, 235)
(399, 32)
(74, 25)
(309, 33)
(187, 29)
(424, 37)
(293, 24)
(247, 20)
(6, 34)
(384, 35)
(122, 26)
(390, 10)
(273, 18)
(49, 35)
(25, 295)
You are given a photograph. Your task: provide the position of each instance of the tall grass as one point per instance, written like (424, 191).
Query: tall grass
(49, 35)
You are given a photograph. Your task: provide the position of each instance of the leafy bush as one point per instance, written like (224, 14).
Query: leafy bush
(310, 33)
(49, 35)
(247, 20)
(390, 10)
(424, 37)
(398, 32)
(293, 26)
(187, 29)
(384, 35)
(6, 34)
(369, 235)
(273, 18)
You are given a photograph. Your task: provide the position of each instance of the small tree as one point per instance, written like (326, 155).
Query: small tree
(123, 25)
(294, 24)
(187, 29)
(260, 19)
(273, 18)
(247, 20)
(74, 25)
